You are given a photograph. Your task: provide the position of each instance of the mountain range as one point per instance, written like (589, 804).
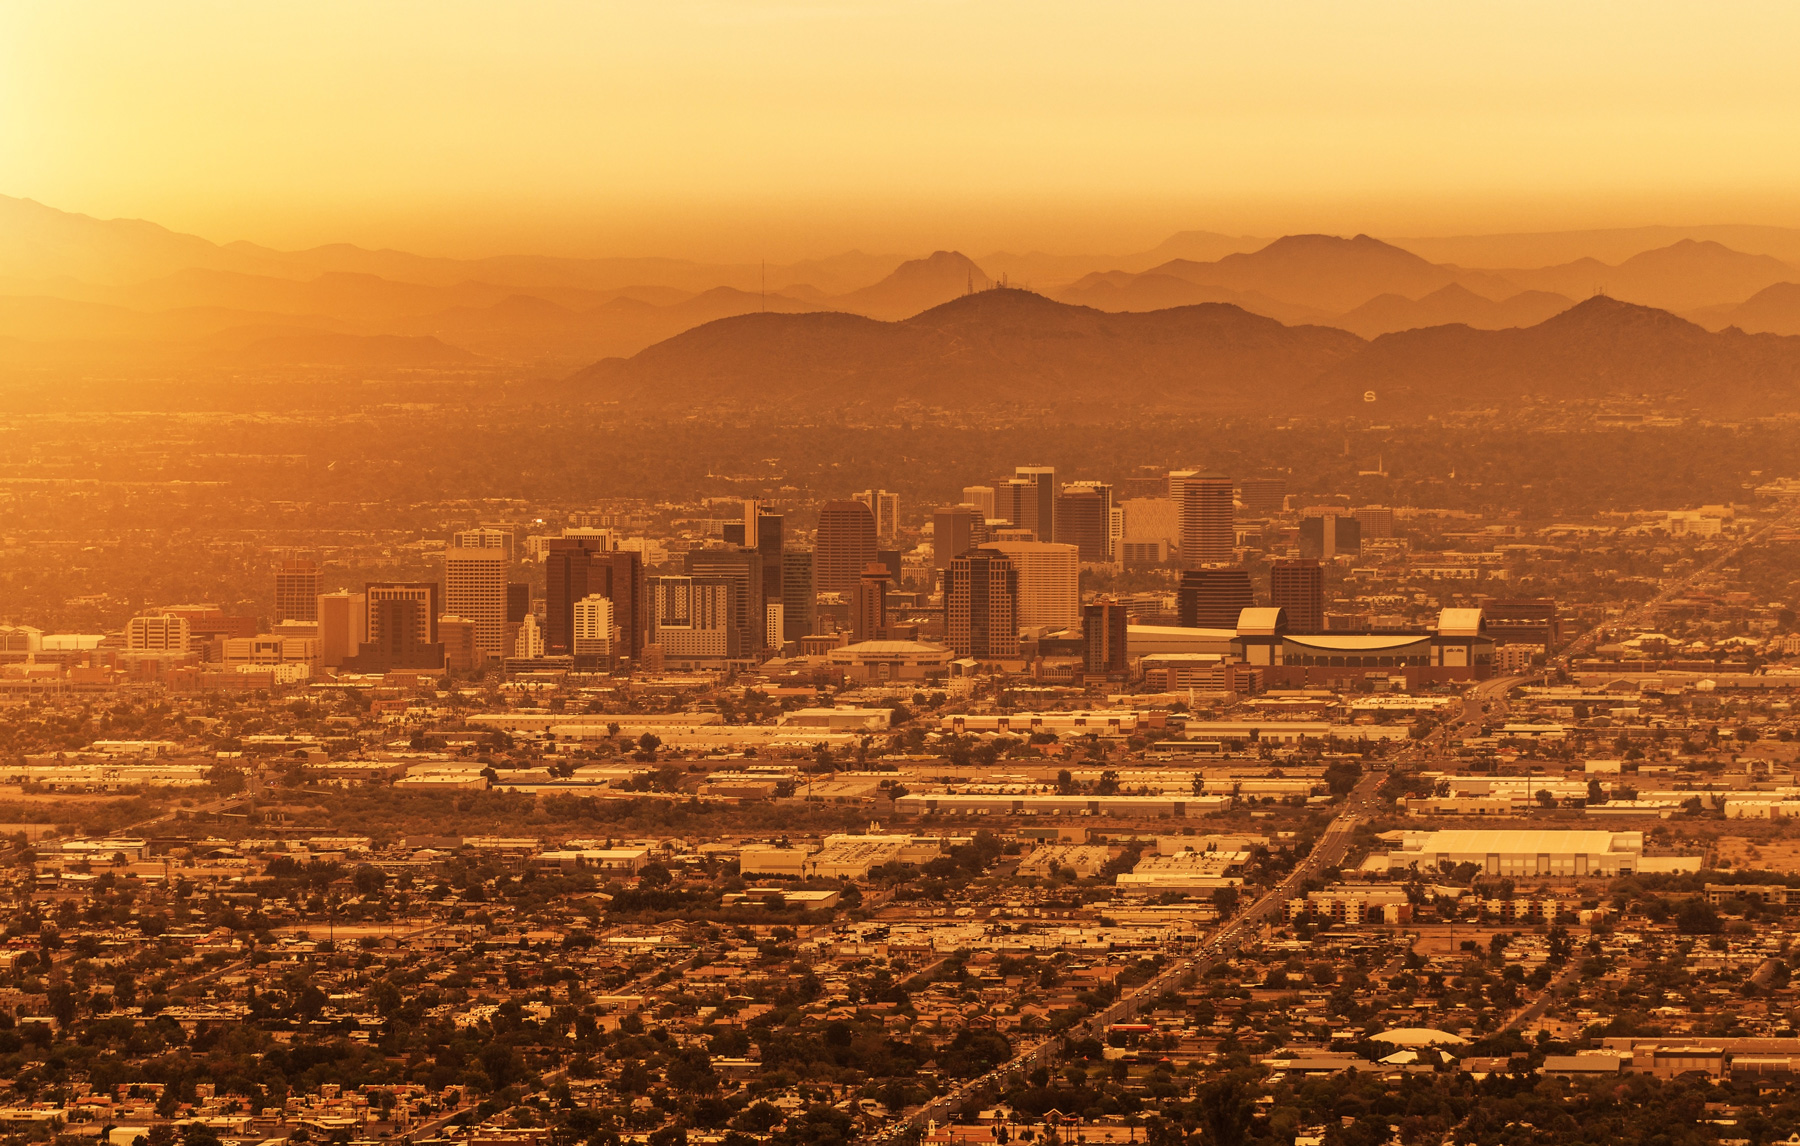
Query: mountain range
(1003, 350)
(76, 290)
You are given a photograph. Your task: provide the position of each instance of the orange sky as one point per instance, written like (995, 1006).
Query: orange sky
(741, 128)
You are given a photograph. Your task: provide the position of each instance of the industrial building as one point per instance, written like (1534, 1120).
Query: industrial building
(1051, 804)
(1522, 853)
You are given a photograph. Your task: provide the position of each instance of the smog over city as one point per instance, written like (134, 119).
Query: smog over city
(814, 572)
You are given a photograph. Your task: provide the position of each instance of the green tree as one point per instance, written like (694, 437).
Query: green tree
(1225, 1112)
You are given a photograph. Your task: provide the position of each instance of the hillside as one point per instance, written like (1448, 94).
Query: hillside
(1774, 310)
(1597, 349)
(917, 285)
(1451, 304)
(993, 349)
(1010, 349)
(1681, 276)
(1323, 271)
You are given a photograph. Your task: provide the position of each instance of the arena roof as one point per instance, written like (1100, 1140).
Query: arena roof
(1358, 642)
(1460, 623)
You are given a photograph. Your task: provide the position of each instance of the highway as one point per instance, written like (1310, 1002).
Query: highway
(1641, 612)
(1329, 851)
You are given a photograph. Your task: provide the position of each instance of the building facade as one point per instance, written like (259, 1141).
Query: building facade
(475, 590)
(1213, 598)
(1297, 587)
(845, 545)
(298, 584)
(981, 605)
(1049, 582)
(1207, 517)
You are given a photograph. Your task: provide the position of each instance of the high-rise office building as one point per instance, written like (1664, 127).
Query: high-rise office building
(1113, 519)
(157, 633)
(457, 635)
(417, 601)
(742, 569)
(774, 622)
(690, 618)
(594, 626)
(868, 606)
(1207, 528)
(884, 507)
(1012, 503)
(298, 584)
(568, 572)
(1262, 497)
(845, 545)
(1104, 625)
(1213, 598)
(770, 540)
(343, 626)
(402, 628)
(1376, 520)
(981, 605)
(575, 567)
(475, 590)
(980, 498)
(955, 529)
(518, 605)
(1150, 528)
(797, 596)
(1048, 582)
(1298, 589)
(619, 577)
(1177, 484)
(1082, 520)
(1330, 535)
(745, 530)
(1523, 621)
(1037, 501)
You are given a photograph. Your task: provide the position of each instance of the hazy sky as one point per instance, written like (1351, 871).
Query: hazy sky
(782, 129)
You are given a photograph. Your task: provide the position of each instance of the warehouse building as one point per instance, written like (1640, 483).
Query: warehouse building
(1050, 804)
(1522, 853)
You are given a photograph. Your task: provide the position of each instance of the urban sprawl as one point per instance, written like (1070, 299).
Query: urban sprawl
(1178, 809)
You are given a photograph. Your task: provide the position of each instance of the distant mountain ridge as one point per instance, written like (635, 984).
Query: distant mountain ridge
(995, 348)
(1599, 348)
(117, 291)
(1010, 349)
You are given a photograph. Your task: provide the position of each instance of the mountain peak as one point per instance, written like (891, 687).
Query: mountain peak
(918, 285)
(1602, 313)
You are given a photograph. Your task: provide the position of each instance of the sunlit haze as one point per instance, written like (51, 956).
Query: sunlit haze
(782, 130)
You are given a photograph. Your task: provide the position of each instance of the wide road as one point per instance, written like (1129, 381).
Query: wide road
(1675, 588)
(1225, 941)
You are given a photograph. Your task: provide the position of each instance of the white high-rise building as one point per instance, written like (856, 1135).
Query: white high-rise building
(594, 626)
(475, 589)
(157, 633)
(1049, 582)
(774, 617)
(530, 641)
(981, 497)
